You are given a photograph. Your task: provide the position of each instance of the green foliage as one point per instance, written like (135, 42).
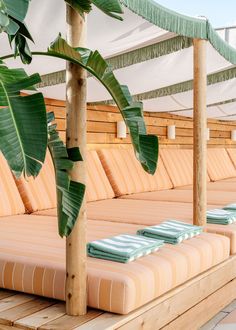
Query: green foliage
(146, 146)
(12, 15)
(111, 8)
(70, 194)
(23, 123)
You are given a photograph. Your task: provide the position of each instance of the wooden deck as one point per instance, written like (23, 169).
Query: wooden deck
(183, 308)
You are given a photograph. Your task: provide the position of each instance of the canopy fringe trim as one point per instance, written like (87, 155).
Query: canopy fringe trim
(183, 25)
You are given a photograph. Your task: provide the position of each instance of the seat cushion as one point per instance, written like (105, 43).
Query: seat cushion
(219, 164)
(32, 260)
(40, 193)
(179, 165)
(126, 174)
(222, 185)
(185, 196)
(139, 212)
(10, 199)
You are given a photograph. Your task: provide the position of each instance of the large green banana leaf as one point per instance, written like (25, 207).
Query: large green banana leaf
(110, 8)
(145, 146)
(23, 122)
(12, 15)
(70, 194)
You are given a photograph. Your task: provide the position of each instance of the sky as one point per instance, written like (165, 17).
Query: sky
(220, 12)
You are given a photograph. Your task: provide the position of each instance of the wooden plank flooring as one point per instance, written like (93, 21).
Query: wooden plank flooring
(23, 311)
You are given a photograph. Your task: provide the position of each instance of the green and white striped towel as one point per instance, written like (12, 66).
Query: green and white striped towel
(123, 248)
(220, 216)
(230, 207)
(171, 231)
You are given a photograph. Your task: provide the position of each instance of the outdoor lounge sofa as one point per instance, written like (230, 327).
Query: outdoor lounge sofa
(32, 256)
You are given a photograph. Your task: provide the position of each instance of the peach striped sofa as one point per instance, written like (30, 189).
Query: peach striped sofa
(32, 254)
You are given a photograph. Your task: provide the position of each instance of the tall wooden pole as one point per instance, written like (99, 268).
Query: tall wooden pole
(76, 275)
(200, 127)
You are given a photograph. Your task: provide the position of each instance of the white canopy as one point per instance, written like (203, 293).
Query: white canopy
(157, 65)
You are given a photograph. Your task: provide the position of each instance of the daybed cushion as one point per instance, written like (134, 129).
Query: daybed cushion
(98, 186)
(139, 211)
(219, 164)
(185, 196)
(126, 174)
(222, 185)
(179, 165)
(10, 200)
(232, 155)
(40, 193)
(32, 259)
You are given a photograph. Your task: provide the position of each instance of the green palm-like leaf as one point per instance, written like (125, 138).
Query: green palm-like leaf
(81, 6)
(146, 146)
(70, 194)
(110, 8)
(23, 123)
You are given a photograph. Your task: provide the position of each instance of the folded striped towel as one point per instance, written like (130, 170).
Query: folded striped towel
(171, 231)
(230, 207)
(123, 248)
(220, 216)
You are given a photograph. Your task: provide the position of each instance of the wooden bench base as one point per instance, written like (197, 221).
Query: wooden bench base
(189, 306)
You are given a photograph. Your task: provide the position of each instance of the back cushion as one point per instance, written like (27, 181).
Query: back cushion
(10, 200)
(40, 193)
(127, 176)
(219, 164)
(232, 155)
(98, 185)
(179, 165)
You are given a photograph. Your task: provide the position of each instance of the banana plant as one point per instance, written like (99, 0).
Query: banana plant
(70, 194)
(24, 123)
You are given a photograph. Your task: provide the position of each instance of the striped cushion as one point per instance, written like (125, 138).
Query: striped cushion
(10, 200)
(185, 196)
(179, 165)
(98, 186)
(232, 155)
(36, 263)
(40, 194)
(126, 174)
(139, 211)
(219, 164)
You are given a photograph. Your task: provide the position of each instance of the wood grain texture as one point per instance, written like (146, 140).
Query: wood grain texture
(76, 89)
(199, 134)
(101, 127)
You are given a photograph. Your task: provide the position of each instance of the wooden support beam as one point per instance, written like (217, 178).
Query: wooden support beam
(76, 291)
(199, 140)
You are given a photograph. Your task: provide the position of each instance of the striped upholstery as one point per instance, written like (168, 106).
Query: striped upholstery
(98, 186)
(232, 155)
(10, 200)
(185, 196)
(139, 211)
(219, 164)
(126, 174)
(179, 165)
(40, 194)
(223, 185)
(32, 259)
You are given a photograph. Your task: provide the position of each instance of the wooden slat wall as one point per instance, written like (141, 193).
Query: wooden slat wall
(102, 127)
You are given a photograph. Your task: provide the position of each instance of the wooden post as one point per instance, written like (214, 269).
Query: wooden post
(76, 273)
(200, 127)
